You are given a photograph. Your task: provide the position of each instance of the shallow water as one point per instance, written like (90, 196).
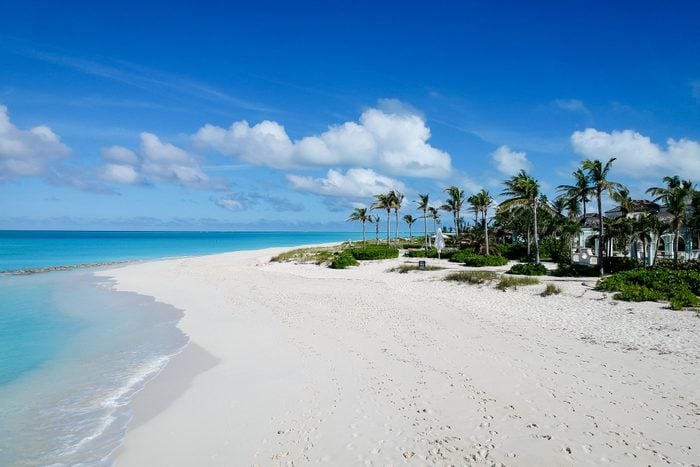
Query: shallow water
(72, 353)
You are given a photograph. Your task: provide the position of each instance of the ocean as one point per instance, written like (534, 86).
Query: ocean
(73, 351)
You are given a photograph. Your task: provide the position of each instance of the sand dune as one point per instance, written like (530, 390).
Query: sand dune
(297, 364)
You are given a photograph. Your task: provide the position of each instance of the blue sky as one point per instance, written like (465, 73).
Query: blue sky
(285, 115)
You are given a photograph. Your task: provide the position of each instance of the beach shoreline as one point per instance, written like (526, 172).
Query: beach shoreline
(296, 364)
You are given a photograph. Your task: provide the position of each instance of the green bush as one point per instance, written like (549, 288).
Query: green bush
(485, 260)
(510, 250)
(615, 264)
(372, 252)
(677, 286)
(404, 268)
(431, 253)
(342, 260)
(528, 269)
(460, 256)
(692, 265)
(575, 270)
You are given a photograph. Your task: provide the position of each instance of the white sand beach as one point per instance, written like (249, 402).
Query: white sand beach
(297, 364)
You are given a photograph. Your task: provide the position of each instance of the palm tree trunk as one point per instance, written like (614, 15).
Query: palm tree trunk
(396, 233)
(529, 240)
(425, 226)
(537, 242)
(364, 241)
(388, 227)
(676, 234)
(486, 232)
(601, 236)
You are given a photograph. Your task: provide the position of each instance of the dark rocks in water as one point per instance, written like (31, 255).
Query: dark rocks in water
(24, 272)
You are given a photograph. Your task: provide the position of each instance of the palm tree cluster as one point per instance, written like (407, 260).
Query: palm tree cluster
(525, 214)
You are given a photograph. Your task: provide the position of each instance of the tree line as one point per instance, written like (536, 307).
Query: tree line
(526, 215)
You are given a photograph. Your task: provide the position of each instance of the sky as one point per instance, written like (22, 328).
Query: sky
(286, 115)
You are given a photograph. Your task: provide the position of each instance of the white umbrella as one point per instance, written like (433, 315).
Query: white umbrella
(439, 241)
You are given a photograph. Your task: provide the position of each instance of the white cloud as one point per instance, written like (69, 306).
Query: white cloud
(355, 183)
(571, 105)
(27, 152)
(156, 161)
(510, 162)
(637, 156)
(393, 138)
(230, 203)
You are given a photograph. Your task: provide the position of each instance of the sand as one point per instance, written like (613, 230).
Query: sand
(294, 364)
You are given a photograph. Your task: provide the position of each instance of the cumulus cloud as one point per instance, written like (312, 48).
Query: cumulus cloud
(27, 152)
(394, 138)
(156, 161)
(637, 156)
(510, 162)
(355, 183)
(571, 105)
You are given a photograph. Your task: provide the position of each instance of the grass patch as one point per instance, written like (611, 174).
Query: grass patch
(514, 282)
(320, 255)
(550, 289)
(404, 268)
(471, 277)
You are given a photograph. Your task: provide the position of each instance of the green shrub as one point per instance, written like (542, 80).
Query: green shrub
(372, 252)
(485, 260)
(575, 270)
(514, 282)
(680, 287)
(471, 277)
(431, 253)
(691, 265)
(638, 293)
(528, 269)
(613, 264)
(460, 256)
(342, 260)
(510, 250)
(551, 289)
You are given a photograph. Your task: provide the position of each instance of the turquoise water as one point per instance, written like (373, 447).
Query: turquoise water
(23, 249)
(73, 351)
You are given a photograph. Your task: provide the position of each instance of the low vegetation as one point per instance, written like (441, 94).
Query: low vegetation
(471, 277)
(679, 287)
(485, 260)
(575, 270)
(430, 253)
(373, 252)
(550, 289)
(404, 268)
(528, 269)
(319, 255)
(514, 282)
(343, 260)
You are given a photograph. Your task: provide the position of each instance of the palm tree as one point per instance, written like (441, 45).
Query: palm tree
(482, 201)
(409, 219)
(361, 215)
(523, 190)
(396, 199)
(454, 205)
(435, 216)
(676, 195)
(597, 174)
(384, 202)
(423, 205)
(579, 191)
(376, 220)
